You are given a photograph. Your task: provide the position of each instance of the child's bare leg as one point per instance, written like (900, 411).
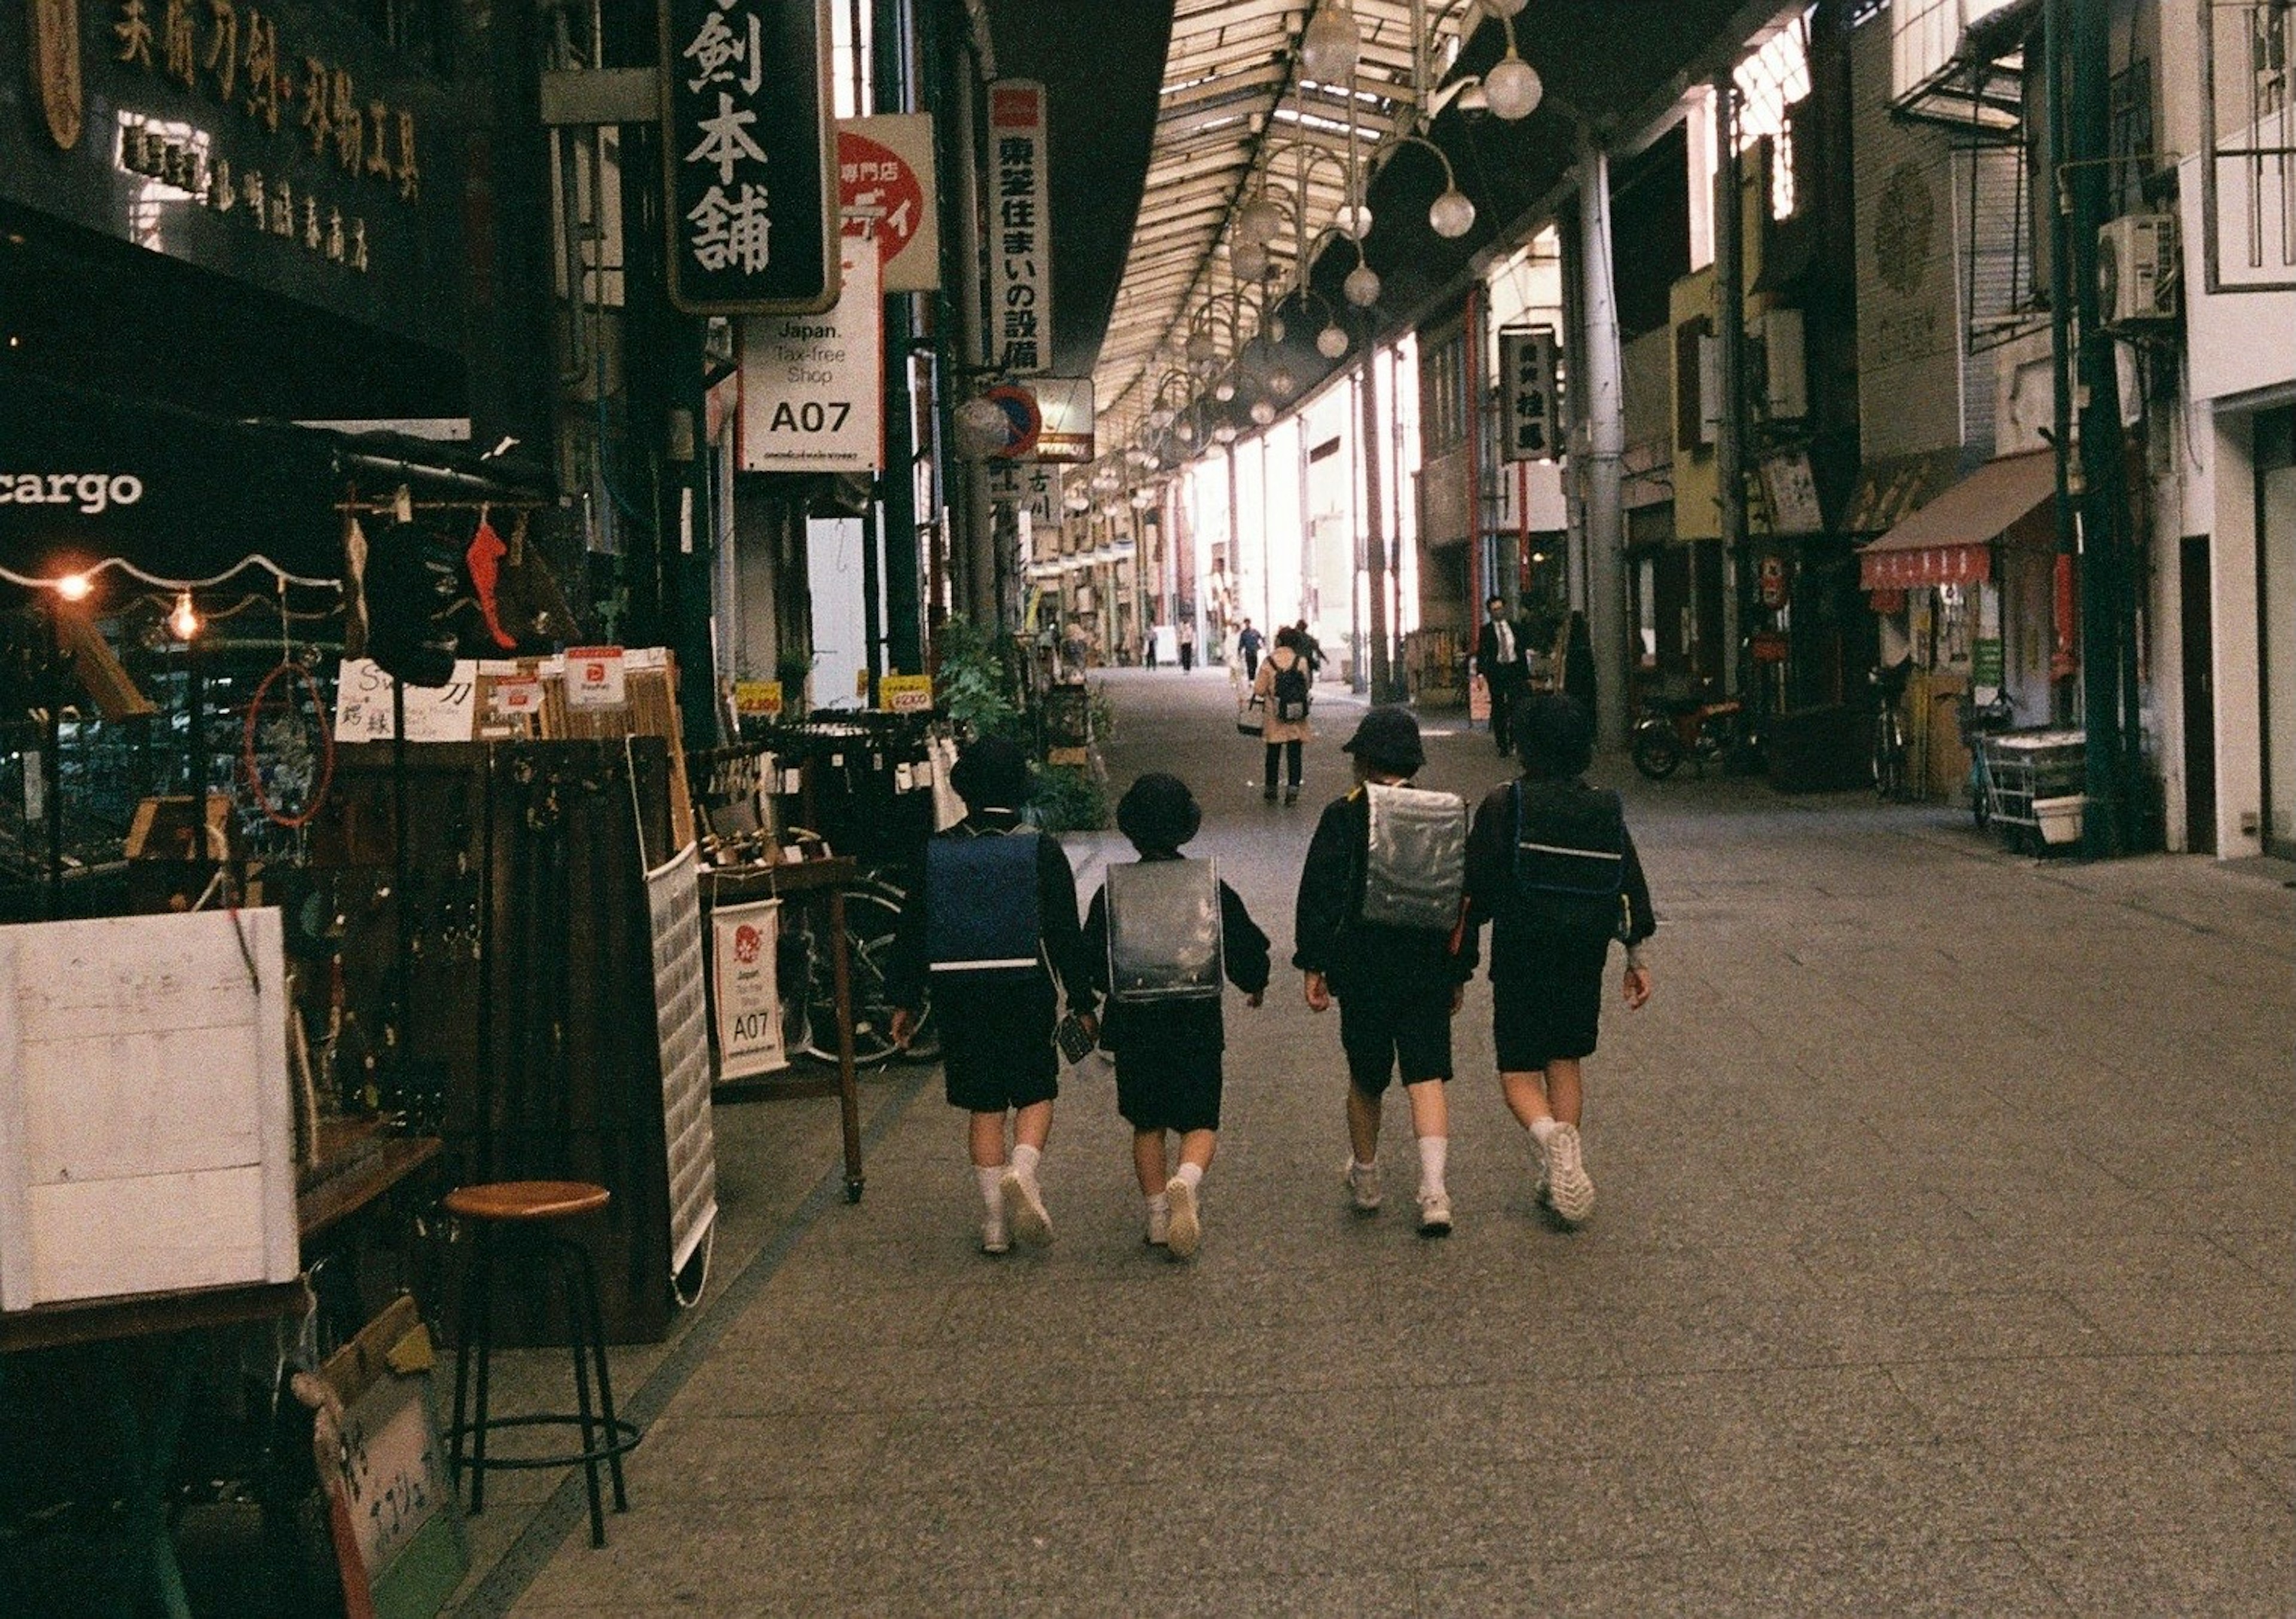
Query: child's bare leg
(1430, 1112)
(1196, 1148)
(1564, 1091)
(1148, 1161)
(1032, 1126)
(1363, 1125)
(986, 1133)
(1526, 1097)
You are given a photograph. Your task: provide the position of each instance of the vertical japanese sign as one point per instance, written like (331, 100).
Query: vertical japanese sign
(751, 149)
(1527, 368)
(1020, 234)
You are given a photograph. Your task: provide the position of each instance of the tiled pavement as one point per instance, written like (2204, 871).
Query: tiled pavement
(1942, 1265)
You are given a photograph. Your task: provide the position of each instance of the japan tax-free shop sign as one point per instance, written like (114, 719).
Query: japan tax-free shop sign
(750, 152)
(813, 386)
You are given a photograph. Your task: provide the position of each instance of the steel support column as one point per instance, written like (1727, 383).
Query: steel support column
(1601, 408)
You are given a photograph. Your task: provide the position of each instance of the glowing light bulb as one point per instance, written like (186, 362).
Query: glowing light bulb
(74, 587)
(1330, 342)
(1451, 214)
(1224, 390)
(1513, 87)
(1225, 432)
(1362, 286)
(1353, 221)
(183, 621)
(1262, 411)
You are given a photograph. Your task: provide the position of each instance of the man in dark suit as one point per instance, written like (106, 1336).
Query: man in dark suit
(1500, 660)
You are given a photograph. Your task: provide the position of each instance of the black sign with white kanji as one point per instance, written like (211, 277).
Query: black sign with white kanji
(1527, 386)
(750, 152)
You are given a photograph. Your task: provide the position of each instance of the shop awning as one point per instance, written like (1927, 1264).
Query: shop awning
(1949, 540)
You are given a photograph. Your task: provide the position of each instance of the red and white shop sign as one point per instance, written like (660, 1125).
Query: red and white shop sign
(885, 193)
(595, 678)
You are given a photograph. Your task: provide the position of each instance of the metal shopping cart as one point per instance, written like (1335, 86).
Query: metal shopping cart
(2037, 780)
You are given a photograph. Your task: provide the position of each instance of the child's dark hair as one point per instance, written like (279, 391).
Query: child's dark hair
(1553, 737)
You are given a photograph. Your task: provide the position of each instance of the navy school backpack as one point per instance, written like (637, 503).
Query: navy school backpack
(1569, 859)
(981, 920)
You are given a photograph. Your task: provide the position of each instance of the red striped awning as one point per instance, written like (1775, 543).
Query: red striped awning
(1950, 540)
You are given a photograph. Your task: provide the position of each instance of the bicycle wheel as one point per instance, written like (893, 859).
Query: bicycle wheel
(1657, 755)
(1888, 756)
(871, 917)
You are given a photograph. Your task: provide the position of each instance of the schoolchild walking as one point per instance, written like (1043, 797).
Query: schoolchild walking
(1378, 929)
(1160, 934)
(993, 930)
(1551, 865)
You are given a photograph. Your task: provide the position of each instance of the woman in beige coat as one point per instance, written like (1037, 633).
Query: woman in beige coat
(1281, 736)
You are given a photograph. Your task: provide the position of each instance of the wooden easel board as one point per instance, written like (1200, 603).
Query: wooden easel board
(397, 1524)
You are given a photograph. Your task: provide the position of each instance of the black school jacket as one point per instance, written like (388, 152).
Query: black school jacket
(1491, 894)
(1177, 1025)
(909, 972)
(1328, 938)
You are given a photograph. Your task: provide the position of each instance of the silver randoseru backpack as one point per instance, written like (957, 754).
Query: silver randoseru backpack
(1415, 867)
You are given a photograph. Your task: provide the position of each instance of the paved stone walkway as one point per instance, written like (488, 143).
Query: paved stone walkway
(1942, 1265)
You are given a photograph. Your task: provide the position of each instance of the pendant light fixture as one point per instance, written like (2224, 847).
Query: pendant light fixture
(1331, 46)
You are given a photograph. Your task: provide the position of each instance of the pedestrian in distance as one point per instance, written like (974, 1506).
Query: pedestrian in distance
(1249, 643)
(1500, 660)
(1160, 934)
(1311, 646)
(1579, 664)
(1187, 646)
(1148, 649)
(1377, 928)
(993, 930)
(1284, 694)
(1551, 865)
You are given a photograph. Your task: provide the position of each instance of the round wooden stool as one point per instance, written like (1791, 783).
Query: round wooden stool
(525, 1214)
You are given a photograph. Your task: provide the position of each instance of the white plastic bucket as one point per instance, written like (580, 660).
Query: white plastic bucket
(2060, 818)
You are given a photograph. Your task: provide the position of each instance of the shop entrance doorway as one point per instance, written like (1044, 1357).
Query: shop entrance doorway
(2199, 698)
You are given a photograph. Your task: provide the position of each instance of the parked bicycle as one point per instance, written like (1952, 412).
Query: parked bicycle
(1675, 729)
(808, 978)
(1976, 722)
(1889, 754)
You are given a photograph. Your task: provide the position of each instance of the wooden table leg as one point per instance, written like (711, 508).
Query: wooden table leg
(848, 1089)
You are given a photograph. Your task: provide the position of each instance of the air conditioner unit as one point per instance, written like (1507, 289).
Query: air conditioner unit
(2137, 269)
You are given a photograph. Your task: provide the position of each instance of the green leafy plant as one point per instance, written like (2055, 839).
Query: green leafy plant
(971, 685)
(1066, 798)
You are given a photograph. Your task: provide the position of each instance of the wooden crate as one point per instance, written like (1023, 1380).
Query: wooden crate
(147, 1139)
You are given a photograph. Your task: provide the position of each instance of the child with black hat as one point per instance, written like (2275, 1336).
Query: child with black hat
(1398, 983)
(1551, 865)
(993, 930)
(1159, 940)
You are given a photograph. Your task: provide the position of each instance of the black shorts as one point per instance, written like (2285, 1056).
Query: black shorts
(1384, 1032)
(1552, 1009)
(1162, 1089)
(997, 1052)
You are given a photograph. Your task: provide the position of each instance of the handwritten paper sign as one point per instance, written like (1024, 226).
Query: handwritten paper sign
(434, 713)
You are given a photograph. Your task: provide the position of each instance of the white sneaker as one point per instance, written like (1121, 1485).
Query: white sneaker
(1185, 1230)
(1570, 1192)
(1363, 1185)
(1024, 1208)
(1160, 1227)
(1434, 1213)
(1539, 1179)
(994, 1237)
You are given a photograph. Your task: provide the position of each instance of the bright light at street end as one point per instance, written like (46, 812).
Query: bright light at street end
(74, 587)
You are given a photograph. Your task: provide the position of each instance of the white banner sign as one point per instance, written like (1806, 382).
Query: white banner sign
(813, 386)
(744, 952)
(885, 195)
(434, 713)
(1020, 229)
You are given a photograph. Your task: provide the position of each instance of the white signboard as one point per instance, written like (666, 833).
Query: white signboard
(596, 677)
(682, 1027)
(813, 386)
(1020, 229)
(146, 1140)
(746, 951)
(434, 713)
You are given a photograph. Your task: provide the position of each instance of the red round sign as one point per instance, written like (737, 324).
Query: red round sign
(1773, 582)
(878, 194)
(1024, 422)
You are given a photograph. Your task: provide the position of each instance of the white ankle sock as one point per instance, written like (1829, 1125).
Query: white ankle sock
(1193, 1174)
(1541, 1129)
(1361, 1166)
(1025, 1160)
(991, 1179)
(1433, 1150)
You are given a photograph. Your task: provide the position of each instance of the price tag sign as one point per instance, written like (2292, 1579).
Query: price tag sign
(595, 678)
(434, 713)
(906, 693)
(518, 697)
(758, 699)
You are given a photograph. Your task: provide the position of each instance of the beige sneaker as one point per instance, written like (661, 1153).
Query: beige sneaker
(1185, 1230)
(1024, 1208)
(1362, 1185)
(994, 1237)
(1571, 1191)
(1159, 1228)
(1434, 1213)
(1539, 1187)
